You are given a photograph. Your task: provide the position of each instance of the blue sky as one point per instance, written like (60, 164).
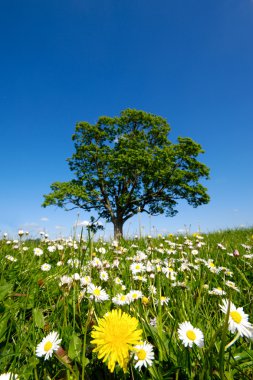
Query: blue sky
(189, 61)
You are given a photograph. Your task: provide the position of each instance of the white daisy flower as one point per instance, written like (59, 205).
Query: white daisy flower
(65, 280)
(38, 251)
(134, 295)
(48, 345)
(121, 299)
(103, 275)
(9, 376)
(189, 335)
(45, 267)
(238, 320)
(137, 268)
(97, 293)
(217, 291)
(10, 258)
(232, 285)
(85, 280)
(144, 355)
(163, 300)
(102, 250)
(118, 281)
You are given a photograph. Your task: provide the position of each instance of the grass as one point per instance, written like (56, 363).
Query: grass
(182, 280)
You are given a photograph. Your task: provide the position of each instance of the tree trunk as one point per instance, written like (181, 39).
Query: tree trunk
(118, 229)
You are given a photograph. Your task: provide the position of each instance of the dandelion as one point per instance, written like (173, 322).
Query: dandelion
(45, 267)
(189, 335)
(144, 355)
(97, 293)
(116, 334)
(238, 320)
(48, 345)
(145, 300)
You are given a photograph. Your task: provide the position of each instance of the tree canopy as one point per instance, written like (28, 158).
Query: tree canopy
(125, 165)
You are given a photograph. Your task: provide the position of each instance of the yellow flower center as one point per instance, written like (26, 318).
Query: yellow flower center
(48, 346)
(191, 335)
(236, 316)
(137, 266)
(141, 354)
(122, 298)
(211, 265)
(134, 295)
(96, 292)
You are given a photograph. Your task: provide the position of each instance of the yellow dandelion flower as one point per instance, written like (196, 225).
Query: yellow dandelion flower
(116, 334)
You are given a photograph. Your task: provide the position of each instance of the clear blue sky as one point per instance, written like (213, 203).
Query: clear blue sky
(189, 61)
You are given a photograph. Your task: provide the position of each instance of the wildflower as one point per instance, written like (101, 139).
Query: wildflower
(51, 248)
(134, 295)
(103, 275)
(144, 355)
(96, 262)
(152, 289)
(21, 233)
(65, 280)
(116, 334)
(120, 299)
(145, 300)
(232, 285)
(137, 268)
(48, 345)
(45, 267)
(85, 280)
(9, 376)
(153, 322)
(217, 291)
(10, 258)
(163, 300)
(97, 293)
(102, 250)
(76, 276)
(38, 251)
(118, 281)
(238, 320)
(189, 335)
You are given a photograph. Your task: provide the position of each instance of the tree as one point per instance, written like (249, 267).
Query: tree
(125, 165)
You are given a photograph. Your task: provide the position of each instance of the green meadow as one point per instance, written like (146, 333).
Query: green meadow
(67, 287)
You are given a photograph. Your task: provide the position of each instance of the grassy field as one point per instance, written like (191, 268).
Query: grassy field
(106, 310)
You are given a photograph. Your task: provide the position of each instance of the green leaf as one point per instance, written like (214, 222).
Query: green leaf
(5, 289)
(75, 346)
(3, 327)
(38, 318)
